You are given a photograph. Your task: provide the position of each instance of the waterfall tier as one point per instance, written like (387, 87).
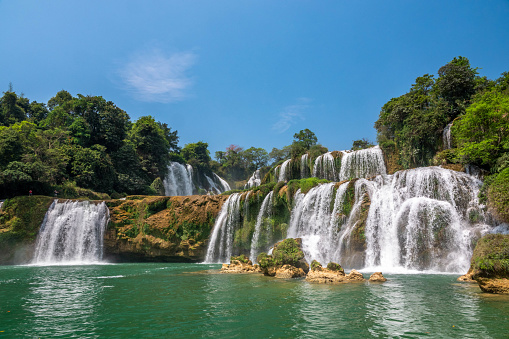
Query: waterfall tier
(254, 181)
(179, 181)
(72, 233)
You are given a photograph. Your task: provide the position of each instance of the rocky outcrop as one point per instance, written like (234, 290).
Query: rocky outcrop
(354, 276)
(490, 263)
(326, 276)
(467, 277)
(289, 271)
(238, 266)
(148, 228)
(377, 277)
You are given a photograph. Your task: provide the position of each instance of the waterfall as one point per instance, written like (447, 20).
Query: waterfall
(423, 219)
(324, 167)
(362, 164)
(254, 181)
(310, 220)
(221, 239)
(304, 166)
(72, 233)
(283, 175)
(179, 180)
(217, 185)
(446, 136)
(264, 212)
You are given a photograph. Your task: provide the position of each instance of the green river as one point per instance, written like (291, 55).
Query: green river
(195, 300)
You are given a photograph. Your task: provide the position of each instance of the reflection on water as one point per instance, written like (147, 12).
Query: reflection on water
(64, 302)
(175, 300)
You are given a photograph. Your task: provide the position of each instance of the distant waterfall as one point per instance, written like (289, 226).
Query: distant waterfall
(254, 181)
(217, 185)
(305, 171)
(264, 212)
(179, 181)
(362, 164)
(423, 219)
(72, 233)
(283, 171)
(446, 136)
(221, 240)
(324, 167)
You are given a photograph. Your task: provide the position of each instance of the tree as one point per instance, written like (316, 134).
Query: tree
(361, 144)
(10, 109)
(277, 155)
(255, 158)
(151, 146)
(197, 154)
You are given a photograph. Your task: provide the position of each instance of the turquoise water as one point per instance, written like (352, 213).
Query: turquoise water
(193, 300)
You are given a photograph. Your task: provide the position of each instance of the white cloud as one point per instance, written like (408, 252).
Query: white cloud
(155, 77)
(290, 115)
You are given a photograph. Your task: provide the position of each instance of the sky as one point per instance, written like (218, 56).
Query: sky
(250, 73)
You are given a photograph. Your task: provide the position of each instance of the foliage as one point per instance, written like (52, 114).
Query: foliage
(491, 256)
(498, 195)
(242, 258)
(482, 134)
(287, 252)
(335, 267)
(315, 265)
(361, 144)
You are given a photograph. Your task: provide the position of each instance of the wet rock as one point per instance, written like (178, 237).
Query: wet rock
(496, 285)
(237, 266)
(325, 276)
(377, 277)
(289, 271)
(468, 277)
(355, 276)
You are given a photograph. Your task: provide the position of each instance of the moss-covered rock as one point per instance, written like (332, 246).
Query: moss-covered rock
(490, 263)
(20, 219)
(286, 252)
(146, 228)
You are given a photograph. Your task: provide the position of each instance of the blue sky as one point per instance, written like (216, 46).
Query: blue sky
(250, 73)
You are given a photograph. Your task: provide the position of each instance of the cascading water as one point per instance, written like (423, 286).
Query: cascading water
(264, 212)
(217, 185)
(362, 164)
(283, 171)
(423, 219)
(446, 136)
(179, 180)
(221, 240)
(72, 233)
(305, 171)
(324, 167)
(254, 181)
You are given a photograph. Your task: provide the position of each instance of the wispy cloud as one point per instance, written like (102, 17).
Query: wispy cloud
(290, 115)
(154, 77)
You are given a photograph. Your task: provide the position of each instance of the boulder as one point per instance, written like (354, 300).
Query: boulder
(377, 277)
(237, 266)
(490, 263)
(325, 276)
(355, 276)
(467, 277)
(288, 272)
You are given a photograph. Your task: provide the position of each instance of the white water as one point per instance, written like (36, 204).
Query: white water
(72, 233)
(179, 181)
(265, 211)
(446, 136)
(283, 171)
(422, 219)
(221, 241)
(217, 185)
(304, 166)
(324, 167)
(254, 181)
(419, 220)
(364, 163)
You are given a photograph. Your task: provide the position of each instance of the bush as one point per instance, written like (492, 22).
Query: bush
(491, 256)
(315, 265)
(242, 258)
(498, 195)
(335, 267)
(287, 252)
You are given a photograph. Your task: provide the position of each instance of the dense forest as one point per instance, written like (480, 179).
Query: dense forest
(85, 144)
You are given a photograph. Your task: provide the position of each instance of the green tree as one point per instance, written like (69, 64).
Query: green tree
(197, 154)
(10, 109)
(361, 144)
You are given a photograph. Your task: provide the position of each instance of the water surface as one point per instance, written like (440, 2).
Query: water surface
(193, 300)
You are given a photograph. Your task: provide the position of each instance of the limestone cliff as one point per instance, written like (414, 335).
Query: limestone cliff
(147, 228)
